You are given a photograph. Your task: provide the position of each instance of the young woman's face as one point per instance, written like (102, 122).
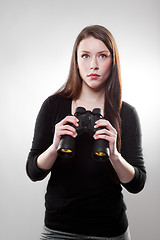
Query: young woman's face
(94, 62)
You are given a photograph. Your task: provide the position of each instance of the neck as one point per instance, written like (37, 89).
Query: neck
(89, 99)
(91, 95)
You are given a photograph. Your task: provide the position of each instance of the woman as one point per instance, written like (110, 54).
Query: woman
(84, 197)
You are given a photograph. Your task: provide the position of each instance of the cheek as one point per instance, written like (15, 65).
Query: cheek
(107, 67)
(82, 66)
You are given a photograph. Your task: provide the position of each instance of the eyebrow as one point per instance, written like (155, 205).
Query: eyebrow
(98, 52)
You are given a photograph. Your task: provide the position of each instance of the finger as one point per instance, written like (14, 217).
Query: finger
(104, 131)
(70, 119)
(65, 130)
(105, 123)
(68, 128)
(104, 136)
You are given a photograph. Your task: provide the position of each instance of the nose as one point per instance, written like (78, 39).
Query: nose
(94, 64)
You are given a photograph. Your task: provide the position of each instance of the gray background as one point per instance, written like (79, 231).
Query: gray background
(36, 40)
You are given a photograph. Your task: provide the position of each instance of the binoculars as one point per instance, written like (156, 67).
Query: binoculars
(87, 119)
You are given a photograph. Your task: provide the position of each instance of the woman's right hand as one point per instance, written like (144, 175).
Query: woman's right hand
(62, 128)
(46, 159)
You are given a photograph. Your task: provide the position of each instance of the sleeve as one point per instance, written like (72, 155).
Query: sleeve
(132, 149)
(43, 137)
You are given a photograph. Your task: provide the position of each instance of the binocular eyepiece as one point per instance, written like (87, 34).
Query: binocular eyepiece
(87, 119)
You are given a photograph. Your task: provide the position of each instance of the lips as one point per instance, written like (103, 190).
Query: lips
(94, 75)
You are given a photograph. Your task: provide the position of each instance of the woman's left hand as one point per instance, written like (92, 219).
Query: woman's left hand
(108, 133)
(124, 170)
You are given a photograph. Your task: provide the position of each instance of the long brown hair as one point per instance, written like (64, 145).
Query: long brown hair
(113, 91)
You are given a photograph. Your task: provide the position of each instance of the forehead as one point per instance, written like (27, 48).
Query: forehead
(92, 44)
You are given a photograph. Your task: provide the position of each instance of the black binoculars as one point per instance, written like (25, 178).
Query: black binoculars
(87, 121)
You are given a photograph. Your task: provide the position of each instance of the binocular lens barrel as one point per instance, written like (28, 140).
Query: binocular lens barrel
(100, 154)
(100, 150)
(66, 150)
(87, 119)
(66, 146)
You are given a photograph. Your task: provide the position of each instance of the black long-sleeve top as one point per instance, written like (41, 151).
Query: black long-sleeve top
(81, 197)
